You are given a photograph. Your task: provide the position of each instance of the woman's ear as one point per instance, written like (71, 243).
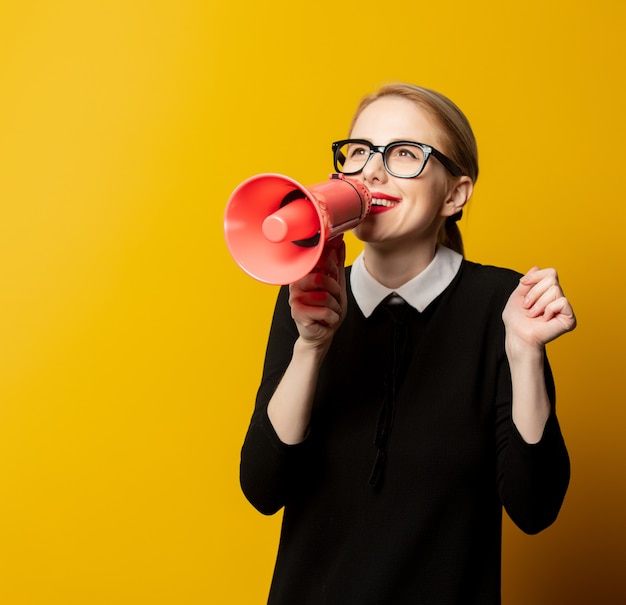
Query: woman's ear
(459, 194)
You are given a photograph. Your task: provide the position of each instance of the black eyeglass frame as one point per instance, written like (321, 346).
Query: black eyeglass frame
(445, 161)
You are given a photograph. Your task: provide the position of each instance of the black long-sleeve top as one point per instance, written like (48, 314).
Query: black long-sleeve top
(395, 496)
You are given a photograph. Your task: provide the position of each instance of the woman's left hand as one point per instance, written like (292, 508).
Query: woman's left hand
(537, 310)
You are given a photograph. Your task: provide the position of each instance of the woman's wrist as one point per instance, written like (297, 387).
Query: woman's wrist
(308, 351)
(519, 351)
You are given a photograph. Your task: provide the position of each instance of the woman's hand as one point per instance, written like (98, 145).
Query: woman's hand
(537, 311)
(318, 300)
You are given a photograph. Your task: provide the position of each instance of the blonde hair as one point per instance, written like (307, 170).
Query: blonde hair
(457, 136)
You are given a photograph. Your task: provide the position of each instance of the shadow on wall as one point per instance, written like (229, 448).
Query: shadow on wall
(581, 560)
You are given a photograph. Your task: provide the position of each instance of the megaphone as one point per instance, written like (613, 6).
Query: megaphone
(276, 228)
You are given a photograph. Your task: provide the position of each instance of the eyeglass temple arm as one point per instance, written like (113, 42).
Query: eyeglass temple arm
(449, 164)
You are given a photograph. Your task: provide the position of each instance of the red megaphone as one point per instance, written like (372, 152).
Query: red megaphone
(276, 229)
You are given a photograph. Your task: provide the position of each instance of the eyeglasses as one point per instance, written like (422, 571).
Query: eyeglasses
(404, 159)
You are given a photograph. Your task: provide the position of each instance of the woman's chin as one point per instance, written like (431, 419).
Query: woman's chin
(367, 231)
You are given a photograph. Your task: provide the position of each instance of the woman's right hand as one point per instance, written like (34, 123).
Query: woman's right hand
(318, 300)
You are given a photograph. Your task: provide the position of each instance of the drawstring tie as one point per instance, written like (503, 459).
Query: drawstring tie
(396, 307)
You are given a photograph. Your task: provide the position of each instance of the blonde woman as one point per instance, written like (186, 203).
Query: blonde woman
(406, 399)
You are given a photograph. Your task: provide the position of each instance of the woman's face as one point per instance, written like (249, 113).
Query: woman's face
(404, 211)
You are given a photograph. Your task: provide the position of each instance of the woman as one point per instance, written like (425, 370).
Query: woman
(406, 399)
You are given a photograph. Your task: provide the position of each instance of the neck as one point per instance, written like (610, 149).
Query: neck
(393, 267)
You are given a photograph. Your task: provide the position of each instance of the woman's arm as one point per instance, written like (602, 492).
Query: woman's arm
(318, 303)
(533, 467)
(537, 312)
(275, 451)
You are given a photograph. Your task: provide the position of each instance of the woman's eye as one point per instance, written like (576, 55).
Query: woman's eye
(356, 152)
(405, 152)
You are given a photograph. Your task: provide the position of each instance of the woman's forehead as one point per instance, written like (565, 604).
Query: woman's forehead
(395, 118)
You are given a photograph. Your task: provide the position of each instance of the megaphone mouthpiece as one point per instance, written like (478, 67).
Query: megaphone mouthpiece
(295, 221)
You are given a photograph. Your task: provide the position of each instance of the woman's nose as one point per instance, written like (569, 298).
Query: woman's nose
(375, 170)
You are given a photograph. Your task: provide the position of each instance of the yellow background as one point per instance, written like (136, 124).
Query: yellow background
(130, 342)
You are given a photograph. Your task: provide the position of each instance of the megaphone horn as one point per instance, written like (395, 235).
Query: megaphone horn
(276, 228)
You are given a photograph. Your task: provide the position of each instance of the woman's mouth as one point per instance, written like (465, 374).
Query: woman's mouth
(383, 204)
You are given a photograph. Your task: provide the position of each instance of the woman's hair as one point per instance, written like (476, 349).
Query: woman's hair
(457, 135)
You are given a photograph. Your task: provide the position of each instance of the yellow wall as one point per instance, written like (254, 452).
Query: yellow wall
(131, 344)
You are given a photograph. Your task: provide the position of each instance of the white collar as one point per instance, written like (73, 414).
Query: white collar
(419, 291)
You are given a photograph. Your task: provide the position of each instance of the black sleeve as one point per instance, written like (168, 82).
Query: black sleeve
(532, 478)
(268, 466)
